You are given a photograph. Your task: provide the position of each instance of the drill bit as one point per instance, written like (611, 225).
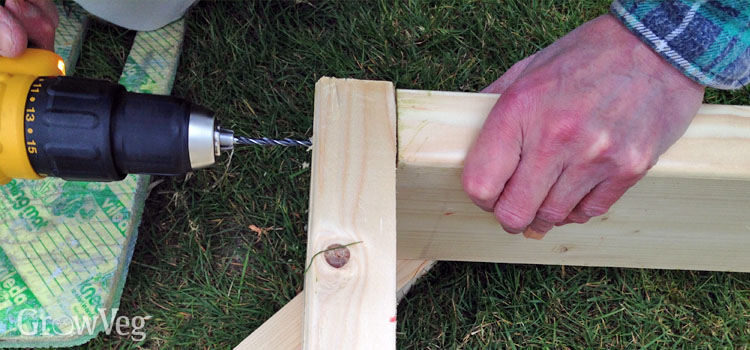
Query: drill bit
(265, 141)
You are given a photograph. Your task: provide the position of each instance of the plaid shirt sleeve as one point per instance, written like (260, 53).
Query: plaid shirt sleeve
(708, 40)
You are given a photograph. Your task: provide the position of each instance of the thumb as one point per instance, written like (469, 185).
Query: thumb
(13, 38)
(495, 154)
(510, 76)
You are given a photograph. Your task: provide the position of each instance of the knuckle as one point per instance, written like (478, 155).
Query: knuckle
(633, 165)
(635, 169)
(478, 188)
(511, 218)
(566, 128)
(601, 148)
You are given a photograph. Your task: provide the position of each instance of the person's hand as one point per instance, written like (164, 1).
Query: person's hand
(577, 124)
(27, 21)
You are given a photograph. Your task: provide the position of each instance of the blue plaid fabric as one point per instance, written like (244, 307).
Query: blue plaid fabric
(708, 40)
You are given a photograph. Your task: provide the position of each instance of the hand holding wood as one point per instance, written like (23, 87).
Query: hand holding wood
(577, 124)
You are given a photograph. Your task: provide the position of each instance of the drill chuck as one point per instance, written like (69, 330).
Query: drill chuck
(92, 130)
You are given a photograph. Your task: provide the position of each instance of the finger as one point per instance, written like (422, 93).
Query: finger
(49, 9)
(502, 83)
(572, 186)
(526, 191)
(601, 198)
(494, 156)
(40, 29)
(12, 36)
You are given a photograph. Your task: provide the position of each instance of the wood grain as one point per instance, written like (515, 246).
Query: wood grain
(283, 331)
(352, 202)
(691, 212)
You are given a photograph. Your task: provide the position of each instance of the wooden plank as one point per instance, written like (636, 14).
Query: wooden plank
(690, 212)
(283, 331)
(349, 299)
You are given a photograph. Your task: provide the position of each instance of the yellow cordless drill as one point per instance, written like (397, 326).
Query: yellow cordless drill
(93, 130)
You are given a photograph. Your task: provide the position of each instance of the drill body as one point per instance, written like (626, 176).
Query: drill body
(93, 130)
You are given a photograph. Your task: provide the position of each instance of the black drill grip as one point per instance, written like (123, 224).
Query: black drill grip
(92, 130)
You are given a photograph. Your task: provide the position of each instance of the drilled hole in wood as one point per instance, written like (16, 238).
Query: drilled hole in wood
(337, 255)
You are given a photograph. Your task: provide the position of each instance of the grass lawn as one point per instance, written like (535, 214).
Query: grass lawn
(209, 278)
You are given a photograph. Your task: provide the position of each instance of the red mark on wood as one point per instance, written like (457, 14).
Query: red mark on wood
(393, 319)
(448, 213)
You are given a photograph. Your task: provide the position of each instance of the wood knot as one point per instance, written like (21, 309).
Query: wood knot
(337, 255)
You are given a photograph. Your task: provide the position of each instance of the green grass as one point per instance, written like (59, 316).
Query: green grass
(209, 280)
